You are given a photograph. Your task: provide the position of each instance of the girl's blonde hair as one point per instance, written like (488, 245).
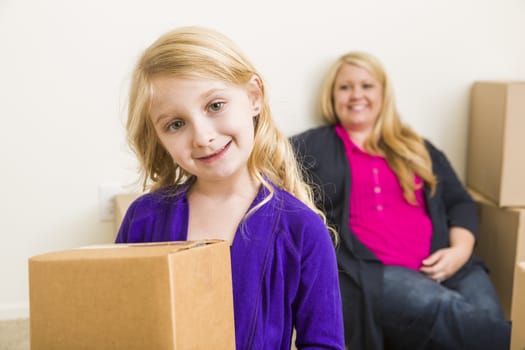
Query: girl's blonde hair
(402, 147)
(201, 53)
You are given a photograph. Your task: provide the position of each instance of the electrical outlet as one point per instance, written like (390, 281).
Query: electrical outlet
(106, 200)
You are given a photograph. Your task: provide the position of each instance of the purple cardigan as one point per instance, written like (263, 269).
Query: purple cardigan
(284, 270)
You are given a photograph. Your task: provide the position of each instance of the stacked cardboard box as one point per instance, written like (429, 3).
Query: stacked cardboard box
(165, 296)
(496, 179)
(495, 162)
(501, 243)
(518, 338)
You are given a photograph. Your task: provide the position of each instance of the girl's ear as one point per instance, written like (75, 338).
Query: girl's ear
(255, 92)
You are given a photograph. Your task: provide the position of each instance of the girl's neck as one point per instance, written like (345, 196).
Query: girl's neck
(217, 208)
(243, 185)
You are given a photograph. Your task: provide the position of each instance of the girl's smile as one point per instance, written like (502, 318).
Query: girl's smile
(216, 155)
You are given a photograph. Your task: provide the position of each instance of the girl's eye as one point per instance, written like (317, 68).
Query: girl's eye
(368, 86)
(343, 87)
(175, 125)
(215, 106)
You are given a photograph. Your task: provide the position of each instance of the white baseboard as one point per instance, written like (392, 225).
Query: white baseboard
(11, 312)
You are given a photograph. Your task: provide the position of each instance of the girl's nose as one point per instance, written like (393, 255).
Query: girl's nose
(203, 133)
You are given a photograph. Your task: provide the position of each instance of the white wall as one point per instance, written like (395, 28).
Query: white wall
(64, 69)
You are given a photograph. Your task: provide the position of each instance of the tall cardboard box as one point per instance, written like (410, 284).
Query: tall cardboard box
(495, 158)
(167, 296)
(501, 244)
(518, 320)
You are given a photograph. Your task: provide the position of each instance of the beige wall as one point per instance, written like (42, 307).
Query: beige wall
(64, 69)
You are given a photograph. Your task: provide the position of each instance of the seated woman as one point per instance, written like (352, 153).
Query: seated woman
(407, 226)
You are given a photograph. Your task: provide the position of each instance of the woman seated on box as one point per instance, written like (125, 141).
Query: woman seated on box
(408, 278)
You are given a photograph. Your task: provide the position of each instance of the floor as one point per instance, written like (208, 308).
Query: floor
(14, 334)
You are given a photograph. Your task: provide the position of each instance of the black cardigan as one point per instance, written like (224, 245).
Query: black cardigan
(326, 168)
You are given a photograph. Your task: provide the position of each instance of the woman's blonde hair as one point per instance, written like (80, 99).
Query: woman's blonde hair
(201, 53)
(402, 147)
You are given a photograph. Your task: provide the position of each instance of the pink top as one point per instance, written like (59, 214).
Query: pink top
(397, 232)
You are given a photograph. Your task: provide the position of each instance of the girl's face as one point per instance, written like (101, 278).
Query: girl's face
(206, 125)
(358, 98)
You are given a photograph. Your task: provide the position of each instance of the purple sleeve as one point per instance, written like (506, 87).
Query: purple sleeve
(153, 218)
(318, 308)
(124, 232)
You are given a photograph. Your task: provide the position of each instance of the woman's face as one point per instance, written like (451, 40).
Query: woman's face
(358, 98)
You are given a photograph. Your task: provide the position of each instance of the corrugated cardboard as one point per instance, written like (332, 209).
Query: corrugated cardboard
(495, 166)
(518, 317)
(501, 244)
(168, 296)
(122, 202)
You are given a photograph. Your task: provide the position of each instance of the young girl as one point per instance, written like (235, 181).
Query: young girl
(217, 167)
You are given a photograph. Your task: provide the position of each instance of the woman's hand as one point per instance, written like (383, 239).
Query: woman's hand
(444, 263)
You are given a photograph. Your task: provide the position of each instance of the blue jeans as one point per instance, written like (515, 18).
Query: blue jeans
(419, 313)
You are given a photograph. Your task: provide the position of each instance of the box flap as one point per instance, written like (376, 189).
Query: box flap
(124, 250)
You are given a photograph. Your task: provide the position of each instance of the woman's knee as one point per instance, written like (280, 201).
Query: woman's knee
(415, 301)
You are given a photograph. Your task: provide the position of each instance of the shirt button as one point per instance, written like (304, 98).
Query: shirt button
(379, 207)
(377, 189)
(374, 170)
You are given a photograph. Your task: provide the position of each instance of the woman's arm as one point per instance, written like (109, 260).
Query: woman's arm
(461, 216)
(459, 206)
